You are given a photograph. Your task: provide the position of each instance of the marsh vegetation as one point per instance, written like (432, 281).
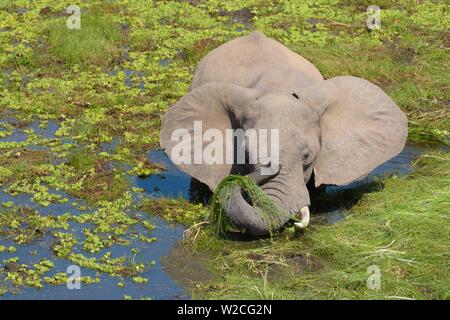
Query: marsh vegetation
(81, 109)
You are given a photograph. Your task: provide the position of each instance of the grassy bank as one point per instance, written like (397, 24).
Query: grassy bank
(106, 87)
(402, 229)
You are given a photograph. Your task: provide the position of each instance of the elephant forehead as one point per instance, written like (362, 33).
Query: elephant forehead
(303, 118)
(294, 121)
(275, 104)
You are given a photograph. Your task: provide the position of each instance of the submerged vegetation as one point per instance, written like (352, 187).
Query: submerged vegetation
(80, 109)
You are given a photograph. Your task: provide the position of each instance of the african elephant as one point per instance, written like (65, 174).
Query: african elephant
(340, 129)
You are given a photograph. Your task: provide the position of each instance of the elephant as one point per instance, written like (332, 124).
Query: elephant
(336, 130)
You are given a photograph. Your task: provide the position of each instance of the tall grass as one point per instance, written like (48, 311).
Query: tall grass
(95, 43)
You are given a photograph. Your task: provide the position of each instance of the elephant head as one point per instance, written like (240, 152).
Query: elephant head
(338, 129)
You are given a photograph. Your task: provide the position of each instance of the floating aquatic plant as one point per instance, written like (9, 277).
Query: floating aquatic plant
(58, 78)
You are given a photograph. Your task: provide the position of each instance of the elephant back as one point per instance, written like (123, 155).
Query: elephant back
(244, 60)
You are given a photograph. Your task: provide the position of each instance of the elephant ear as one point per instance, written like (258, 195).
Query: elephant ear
(215, 106)
(361, 127)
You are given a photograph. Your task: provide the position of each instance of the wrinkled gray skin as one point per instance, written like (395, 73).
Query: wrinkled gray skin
(340, 129)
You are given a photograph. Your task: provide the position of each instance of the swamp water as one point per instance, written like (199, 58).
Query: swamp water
(172, 268)
(159, 285)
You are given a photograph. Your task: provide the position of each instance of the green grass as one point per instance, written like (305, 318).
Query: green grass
(96, 43)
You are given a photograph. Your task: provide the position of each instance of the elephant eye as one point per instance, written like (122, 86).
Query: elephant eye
(295, 95)
(306, 157)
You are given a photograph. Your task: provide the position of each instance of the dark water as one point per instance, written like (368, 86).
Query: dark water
(170, 183)
(175, 183)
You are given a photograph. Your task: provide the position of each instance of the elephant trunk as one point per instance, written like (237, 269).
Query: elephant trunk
(245, 216)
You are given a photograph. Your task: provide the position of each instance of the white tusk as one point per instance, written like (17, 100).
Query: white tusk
(304, 212)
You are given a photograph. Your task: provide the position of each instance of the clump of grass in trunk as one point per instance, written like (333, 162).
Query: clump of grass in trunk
(270, 213)
(97, 42)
